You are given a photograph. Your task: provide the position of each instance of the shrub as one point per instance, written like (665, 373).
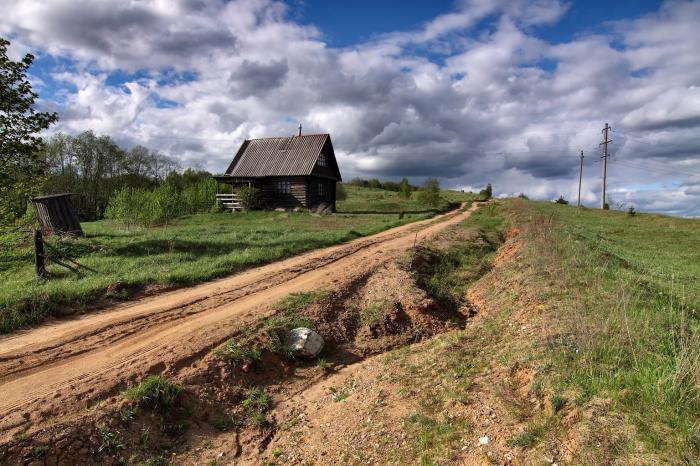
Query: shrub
(155, 391)
(523, 196)
(561, 200)
(404, 188)
(430, 193)
(340, 193)
(249, 197)
(631, 212)
(486, 193)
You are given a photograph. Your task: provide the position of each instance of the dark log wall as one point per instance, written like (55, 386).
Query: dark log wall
(295, 198)
(329, 194)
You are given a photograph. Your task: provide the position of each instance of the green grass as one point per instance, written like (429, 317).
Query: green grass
(625, 292)
(256, 403)
(156, 392)
(238, 353)
(190, 250)
(361, 199)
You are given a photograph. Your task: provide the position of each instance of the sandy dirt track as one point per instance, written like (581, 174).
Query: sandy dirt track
(48, 372)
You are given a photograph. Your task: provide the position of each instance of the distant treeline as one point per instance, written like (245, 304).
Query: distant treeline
(388, 185)
(95, 169)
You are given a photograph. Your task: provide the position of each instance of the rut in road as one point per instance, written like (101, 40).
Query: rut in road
(56, 368)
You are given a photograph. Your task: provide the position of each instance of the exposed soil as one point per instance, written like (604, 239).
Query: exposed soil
(60, 383)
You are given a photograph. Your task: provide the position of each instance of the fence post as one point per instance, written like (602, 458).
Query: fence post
(39, 259)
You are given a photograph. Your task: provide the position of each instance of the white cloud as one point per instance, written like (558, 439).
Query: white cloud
(488, 111)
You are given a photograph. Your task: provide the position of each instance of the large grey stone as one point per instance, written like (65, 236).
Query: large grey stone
(304, 341)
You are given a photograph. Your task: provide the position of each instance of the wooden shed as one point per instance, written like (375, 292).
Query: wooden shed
(56, 215)
(291, 172)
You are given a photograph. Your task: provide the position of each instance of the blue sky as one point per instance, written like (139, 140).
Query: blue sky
(471, 91)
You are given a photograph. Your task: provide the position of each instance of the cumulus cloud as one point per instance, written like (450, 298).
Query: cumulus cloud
(201, 75)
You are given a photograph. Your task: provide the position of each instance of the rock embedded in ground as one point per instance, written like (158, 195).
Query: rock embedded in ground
(304, 341)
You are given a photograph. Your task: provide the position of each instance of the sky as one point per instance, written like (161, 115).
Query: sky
(469, 91)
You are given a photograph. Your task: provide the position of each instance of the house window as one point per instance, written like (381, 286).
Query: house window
(283, 187)
(321, 189)
(322, 160)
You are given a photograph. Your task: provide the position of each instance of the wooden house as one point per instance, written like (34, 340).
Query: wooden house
(290, 172)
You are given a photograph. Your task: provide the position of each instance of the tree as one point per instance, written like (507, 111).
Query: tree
(404, 188)
(561, 200)
(487, 192)
(430, 193)
(22, 166)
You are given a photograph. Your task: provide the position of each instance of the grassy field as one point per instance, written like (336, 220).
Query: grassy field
(361, 199)
(603, 309)
(190, 250)
(627, 291)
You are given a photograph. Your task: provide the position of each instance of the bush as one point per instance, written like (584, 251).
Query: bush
(561, 200)
(631, 212)
(248, 197)
(155, 391)
(404, 188)
(486, 193)
(523, 196)
(340, 193)
(430, 193)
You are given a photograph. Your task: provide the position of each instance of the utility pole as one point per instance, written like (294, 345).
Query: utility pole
(605, 156)
(580, 176)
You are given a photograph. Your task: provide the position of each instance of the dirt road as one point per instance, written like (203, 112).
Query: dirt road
(45, 373)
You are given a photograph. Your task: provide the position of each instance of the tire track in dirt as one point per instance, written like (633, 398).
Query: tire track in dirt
(51, 369)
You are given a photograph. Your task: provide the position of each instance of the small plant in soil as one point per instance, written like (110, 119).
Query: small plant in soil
(38, 451)
(558, 402)
(237, 353)
(256, 403)
(224, 423)
(324, 365)
(523, 440)
(375, 313)
(127, 413)
(109, 440)
(156, 392)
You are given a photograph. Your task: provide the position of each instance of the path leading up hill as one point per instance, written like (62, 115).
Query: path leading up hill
(50, 371)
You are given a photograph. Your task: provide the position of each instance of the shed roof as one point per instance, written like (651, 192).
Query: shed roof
(280, 156)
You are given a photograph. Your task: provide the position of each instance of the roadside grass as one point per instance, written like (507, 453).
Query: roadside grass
(190, 250)
(239, 353)
(256, 403)
(439, 373)
(624, 297)
(369, 200)
(447, 274)
(154, 392)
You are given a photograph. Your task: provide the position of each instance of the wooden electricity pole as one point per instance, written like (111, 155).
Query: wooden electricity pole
(580, 176)
(605, 143)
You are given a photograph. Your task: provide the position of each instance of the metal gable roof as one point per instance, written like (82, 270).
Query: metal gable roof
(284, 156)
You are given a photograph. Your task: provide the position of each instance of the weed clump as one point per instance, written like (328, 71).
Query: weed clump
(155, 392)
(256, 403)
(237, 353)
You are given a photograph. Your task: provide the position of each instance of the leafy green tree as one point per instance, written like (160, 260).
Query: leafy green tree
(430, 193)
(404, 188)
(22, 167)
(487, 192)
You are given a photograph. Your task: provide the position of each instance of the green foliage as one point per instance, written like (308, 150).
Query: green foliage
(22, 168)
(524, 440)
(486, 193)
(561, 200)
(109, 440)
(523, 196)
(340, 193)
(249, 197)
(155, 392)
(631, 212)
(324, 365)
(256, 403)
(136, 206)
(235, 352)
(38, 451)
(405, 188)
(429, 194)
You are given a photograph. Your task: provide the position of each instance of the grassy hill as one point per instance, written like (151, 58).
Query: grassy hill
(369, 200)
(189, 250)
